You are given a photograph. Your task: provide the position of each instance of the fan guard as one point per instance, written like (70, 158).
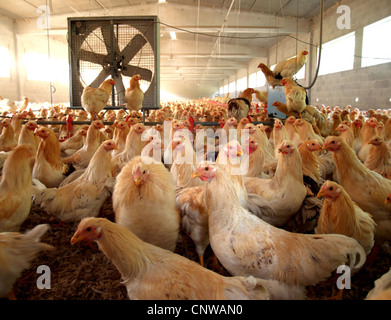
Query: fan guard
(117, 48)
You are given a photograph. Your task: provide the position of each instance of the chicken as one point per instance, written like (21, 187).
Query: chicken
(288, 68)
(368, 131)
(8, 105)
(240, 107)
(84, 196)
(293, 133)
(134, 95)
(261, 96)
(94, 100)
(154, 149)
(306, 132)
(25, 104)
(295, 96)
(269, 75)
(27, 135)
(341, 215)
(241, 126)
(346, 134)
(16, 252)
(144, 202)
(7, 137)
(356, 127)
(285, 192)
(121, 131)
(184, 162)
(74, 143)
(378, 158)
(133, 147)
(387, 130)
(263, 142)
(246, 245)
(230, 128)
(310, 165)
(279, 135)
(283, 108)
(48, 167)
(365, 187)
(254, 156)
(15, 188)
(81, 158)
(16, 123)
(191, 203)
(380, 129)
(382, 289)
(151, 273)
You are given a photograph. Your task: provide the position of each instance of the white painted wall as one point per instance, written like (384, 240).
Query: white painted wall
(9, 87)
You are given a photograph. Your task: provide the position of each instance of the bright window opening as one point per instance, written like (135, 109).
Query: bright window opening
(252, 80)
(241, 84)
(40, 68)
(338, 54)
(232, 87)
(261, 80)
(5, 65)
(376, 49)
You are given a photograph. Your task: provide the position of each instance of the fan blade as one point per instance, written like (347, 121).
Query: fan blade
(92, 57)
(132, 48)
(130, 71)
(106, 33)
(120, 88)
(100, 78)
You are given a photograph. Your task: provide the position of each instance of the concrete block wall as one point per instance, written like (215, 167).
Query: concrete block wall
(371, 85)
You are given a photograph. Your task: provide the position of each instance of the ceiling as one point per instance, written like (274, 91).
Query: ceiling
(214, 37)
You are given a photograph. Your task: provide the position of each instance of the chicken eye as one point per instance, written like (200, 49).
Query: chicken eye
(333, 141)
(144, 172)
(207, 168)
(331, 188)
(88, 229)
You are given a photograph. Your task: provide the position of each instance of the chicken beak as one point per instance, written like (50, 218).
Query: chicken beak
(320, 194)
(239, 153)
(195, 174)
(388, 200)
(77, 237)
(138, 181)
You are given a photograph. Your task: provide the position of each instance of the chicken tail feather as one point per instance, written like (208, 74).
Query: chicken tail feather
(68, 169)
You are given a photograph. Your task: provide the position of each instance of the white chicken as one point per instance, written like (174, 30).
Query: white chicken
(134, 95)
(151, 273)
(84, 196)
(144, 202)
(15, 188)
(246, 245)
(94, 100)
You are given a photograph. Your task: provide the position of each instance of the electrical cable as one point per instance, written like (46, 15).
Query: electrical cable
(320, 46)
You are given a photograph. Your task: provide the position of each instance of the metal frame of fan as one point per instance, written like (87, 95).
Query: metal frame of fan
(119, 47)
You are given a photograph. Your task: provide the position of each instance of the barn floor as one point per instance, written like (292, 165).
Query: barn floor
(80, 272)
